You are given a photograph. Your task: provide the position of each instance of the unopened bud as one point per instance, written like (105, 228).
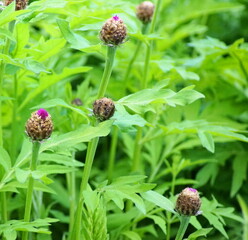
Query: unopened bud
(39, 126)
(77, 102)
(144, 11)
(188, 202)
(103, 109)
(20, 4)
(114, 31)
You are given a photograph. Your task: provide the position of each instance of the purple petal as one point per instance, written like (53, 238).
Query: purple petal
(116, 18)
(42, 113)
(192, 190)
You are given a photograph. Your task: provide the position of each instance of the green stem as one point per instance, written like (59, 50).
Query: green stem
(137, 150)
(14, 123)
(131, 62)
(3, 207)
(2, 70)
(71, 189)
(112, 153)
(107, 71)
(28, 205)
(242, 67)
(91, 150)
(85, 178)
(169, 213)
(149, 46)
(136, 52)
(184, 222)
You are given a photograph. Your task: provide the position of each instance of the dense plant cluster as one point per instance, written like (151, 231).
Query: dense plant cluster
(109, 109)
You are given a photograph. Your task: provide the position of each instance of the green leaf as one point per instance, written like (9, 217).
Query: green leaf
(10, 234)
(77, 41)
(22, 37)
(206, 140)
(159, 200)
(239, 172)
(244, 208)
(83, 134)
(125, 121)
(47, 81)
(199, 233)
(60, 159)
(7, 34)
(143, 100)
(43, 170)
(132, 235)
(21, 175)
(60, 102)
(5, 159)
(159, 221)
(9, 14)
(128, 179)
(35, 66)
(3, 98)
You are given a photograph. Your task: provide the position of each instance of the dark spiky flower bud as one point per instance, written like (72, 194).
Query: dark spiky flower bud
(20, 4)
(188, 202)
(144, 11)
(113, 32)
(103, 109)
(39, 126)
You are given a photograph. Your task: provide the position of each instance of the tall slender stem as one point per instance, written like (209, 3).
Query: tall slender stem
(112, 153)
(149, 46)
(14, 123)
(91, 150)
(2, 70)
(184, 222)
(136, 52)
(28, 205)
(107, 71)
(131, 62)
(71, 189)
(169, 213)
(137, 150)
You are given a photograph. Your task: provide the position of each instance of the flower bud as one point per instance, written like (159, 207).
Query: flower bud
(144, 11)
(39, 126)
(188, 202)
(77, 102)
(20, 4)
(113, 32)
(103, 109)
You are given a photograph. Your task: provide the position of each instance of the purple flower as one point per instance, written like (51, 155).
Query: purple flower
(116, 18)
(192, 190)
(42, 113)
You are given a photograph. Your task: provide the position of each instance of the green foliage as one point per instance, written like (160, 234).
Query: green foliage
(187, 128)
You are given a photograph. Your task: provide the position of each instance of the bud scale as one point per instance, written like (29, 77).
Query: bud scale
(114, 31)
(188, 202)
(39, 126)
(144, 11)
(103, 109)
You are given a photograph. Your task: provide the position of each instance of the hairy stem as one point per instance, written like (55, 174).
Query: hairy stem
(71, 189)
(136, 52)
(112, 153)
(149, 46)
(2, 71)
(92, 146)
(28, 205)
(184, 222)
(107, 71)
(137, 150)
